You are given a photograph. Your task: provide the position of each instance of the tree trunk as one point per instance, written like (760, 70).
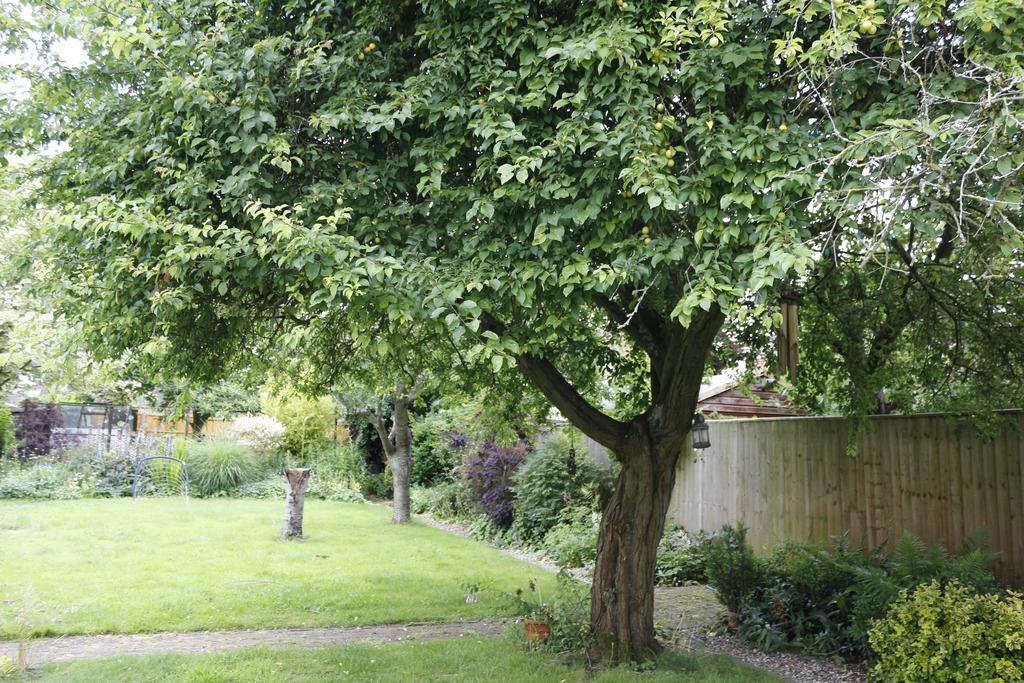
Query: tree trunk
(298, 482)
(648, 446)
(401, 461)
(622, 597)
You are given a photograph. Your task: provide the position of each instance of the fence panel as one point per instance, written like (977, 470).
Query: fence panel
(793, 479)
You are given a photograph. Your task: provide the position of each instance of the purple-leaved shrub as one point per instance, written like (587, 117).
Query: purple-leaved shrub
(489, 473)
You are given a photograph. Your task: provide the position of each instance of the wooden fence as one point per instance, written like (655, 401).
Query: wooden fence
(792, 479)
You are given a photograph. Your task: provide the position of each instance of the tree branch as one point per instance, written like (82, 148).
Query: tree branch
(599, 426)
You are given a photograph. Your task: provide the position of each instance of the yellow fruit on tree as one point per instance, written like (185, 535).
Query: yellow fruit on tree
(658, 126)
(714, 42)
(986, 27)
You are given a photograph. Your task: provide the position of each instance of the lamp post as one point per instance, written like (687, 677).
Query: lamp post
(700, 432)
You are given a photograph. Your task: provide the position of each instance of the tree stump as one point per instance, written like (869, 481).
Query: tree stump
(298, 482)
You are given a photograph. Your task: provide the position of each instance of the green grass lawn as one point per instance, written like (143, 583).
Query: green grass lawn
(123, 566)
(494, 659)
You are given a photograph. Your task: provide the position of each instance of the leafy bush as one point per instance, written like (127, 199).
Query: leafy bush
(333, 490)
(573, 542)
(450, 501)
(271, 488)
(109, 473)
(308, 422)
(732, 569)
(34, 429)
(803, 601)
(274, 488)
(436, 451)
(334, 462)
(262, 433)
(823, 600)
(950, 633)
(489, 472)
(567, 612)
(379, 485)
(913, 563)
(552, 479)
(218, 466)
(7, 438)
(682, 557)
(41, 479)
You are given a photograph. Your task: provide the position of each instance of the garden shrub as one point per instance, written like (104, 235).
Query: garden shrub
(551, 479)
(804, 602)
(34, 429)
(271, 488)
(308, 422)
(950, 633)
(573, 542)
(274, 488)
(823, 600)
(566, 611)
(7, 438)
(108, 473)
(913, 563)
(436, 451)
(732, 569)
(218, 466)
(336, 462)
(41, 479)
(682, 557)
(379, 485)
(262, 433)
(490, 472)
(326, 489)
(450, 501)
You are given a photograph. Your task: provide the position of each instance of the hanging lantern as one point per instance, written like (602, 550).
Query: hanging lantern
(700, 431)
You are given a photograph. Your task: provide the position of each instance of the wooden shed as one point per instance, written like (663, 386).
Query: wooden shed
(725, 398)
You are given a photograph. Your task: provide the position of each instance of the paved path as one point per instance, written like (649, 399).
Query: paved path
(66, 648)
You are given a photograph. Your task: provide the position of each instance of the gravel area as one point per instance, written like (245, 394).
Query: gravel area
(693, 615)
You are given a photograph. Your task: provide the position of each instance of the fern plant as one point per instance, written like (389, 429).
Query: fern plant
(914, 563)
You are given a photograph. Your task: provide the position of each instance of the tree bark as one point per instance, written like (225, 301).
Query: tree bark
(295, 498)
(400, 460)
(622, 596)
(397, 444)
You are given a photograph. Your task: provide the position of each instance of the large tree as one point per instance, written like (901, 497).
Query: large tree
(582, 192)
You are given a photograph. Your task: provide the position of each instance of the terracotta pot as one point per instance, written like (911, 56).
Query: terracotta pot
(732, 620)
(536, 631)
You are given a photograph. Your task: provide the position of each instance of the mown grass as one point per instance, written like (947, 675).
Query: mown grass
(483, 660)
(118, 566)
